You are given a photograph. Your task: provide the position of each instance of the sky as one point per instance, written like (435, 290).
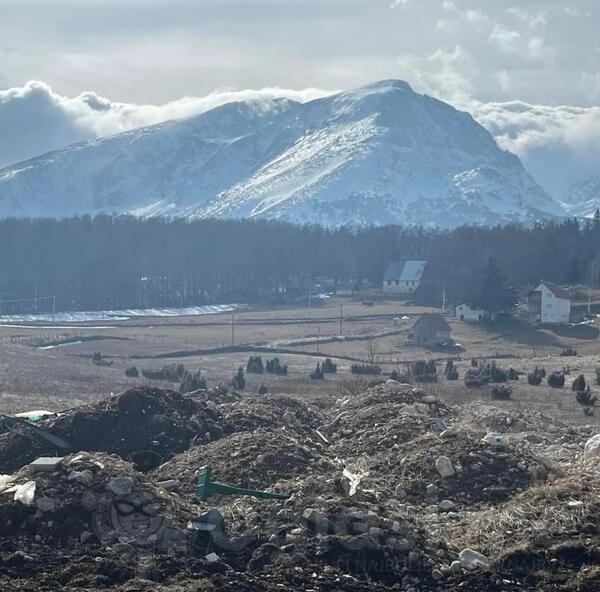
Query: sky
(528, 70)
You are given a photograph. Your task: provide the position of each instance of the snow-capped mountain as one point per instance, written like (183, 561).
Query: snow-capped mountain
(584, 198)
(378, 154)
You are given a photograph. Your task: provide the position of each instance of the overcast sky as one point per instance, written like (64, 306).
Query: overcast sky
(529, 70)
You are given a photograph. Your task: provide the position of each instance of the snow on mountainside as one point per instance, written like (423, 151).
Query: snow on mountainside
(378, 154)
(584, 198)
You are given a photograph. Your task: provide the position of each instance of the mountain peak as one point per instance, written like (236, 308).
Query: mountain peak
(378, 154)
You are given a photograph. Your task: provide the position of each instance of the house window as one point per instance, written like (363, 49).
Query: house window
(397, 282)
(389, 282)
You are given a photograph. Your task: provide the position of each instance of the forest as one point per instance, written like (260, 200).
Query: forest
(112, 262)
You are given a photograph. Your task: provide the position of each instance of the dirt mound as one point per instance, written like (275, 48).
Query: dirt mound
(479, 472)
(145, 425)
(256, 459)
(271, 411)
(385, 416)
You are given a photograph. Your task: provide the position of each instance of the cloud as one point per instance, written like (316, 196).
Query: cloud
(559, 145)
(34, 119)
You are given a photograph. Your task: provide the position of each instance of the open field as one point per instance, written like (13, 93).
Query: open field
(61, 374)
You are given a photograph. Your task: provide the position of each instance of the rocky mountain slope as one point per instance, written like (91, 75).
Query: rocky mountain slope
(374, 155)
(584, 198)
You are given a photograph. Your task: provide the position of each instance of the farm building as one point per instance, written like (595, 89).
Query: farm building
(430, 329)
(403, 277)
(549, 304)
(466, 312)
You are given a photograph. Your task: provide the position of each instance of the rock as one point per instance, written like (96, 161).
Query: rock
(470, 559)
(45, 504)
(456, 568)
(437, 575)
(376, 532)
(83, 477)
(444, 466)
(212, 558)
(120, 485)
(45, 464)
(592, 448)
(400, 492)
(495, 440)
(446, 505)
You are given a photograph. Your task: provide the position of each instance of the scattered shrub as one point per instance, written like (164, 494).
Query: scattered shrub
(365, 369)
(535, 378)
(132, 372)
(450, 371)
(317, 373)
(329, 367)
(474, 363)
(578, 384)
(598, 375)
(238, 381)
(424, 371)
(567, 352)
(263, 389)
(556, 379)
(585, 398)
(99, 360)
(275, 367)
(473, 378)
(513, 374)
(255, 365)
(172, 373)
(496, 373)
(502, 392)
(192, 382)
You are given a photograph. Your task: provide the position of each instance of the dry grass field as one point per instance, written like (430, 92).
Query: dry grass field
(55, 376)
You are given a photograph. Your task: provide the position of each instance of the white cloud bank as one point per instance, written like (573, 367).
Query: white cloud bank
(559, 145)
(34, 119)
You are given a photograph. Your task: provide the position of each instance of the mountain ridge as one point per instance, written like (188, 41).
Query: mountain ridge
(378, 154)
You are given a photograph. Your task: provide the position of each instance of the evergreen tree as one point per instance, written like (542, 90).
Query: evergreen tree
(493, 293)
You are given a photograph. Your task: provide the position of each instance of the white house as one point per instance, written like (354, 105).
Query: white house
(466, 312)
(549, 304)
(403, 278)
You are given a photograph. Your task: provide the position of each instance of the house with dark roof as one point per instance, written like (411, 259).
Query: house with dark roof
(549, 304)
(430, 329)
(403, 277)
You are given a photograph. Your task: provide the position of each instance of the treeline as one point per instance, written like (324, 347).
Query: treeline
(121, 262)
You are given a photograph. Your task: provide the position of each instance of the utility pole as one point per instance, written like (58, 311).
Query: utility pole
(318, 336)
(233, 327)
(180, 303)
(444, 300)
(341, 319)
(53, 309)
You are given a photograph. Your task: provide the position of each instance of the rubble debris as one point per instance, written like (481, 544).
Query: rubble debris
(45, 464)
(592, 448)
(368, 510)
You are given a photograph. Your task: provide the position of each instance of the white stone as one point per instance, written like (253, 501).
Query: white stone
(444, 466)
(45, 504)
(495, 440)
(45, 464)
(212, 558)
(592, 448)
(470, 559)
(456, 568)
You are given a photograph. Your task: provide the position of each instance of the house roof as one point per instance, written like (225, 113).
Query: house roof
(432, 320)
(405, 271)
(557, 290)
(413, 270)
(393, 271)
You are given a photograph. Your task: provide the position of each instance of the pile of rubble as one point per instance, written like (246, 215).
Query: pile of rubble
(387, 490)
